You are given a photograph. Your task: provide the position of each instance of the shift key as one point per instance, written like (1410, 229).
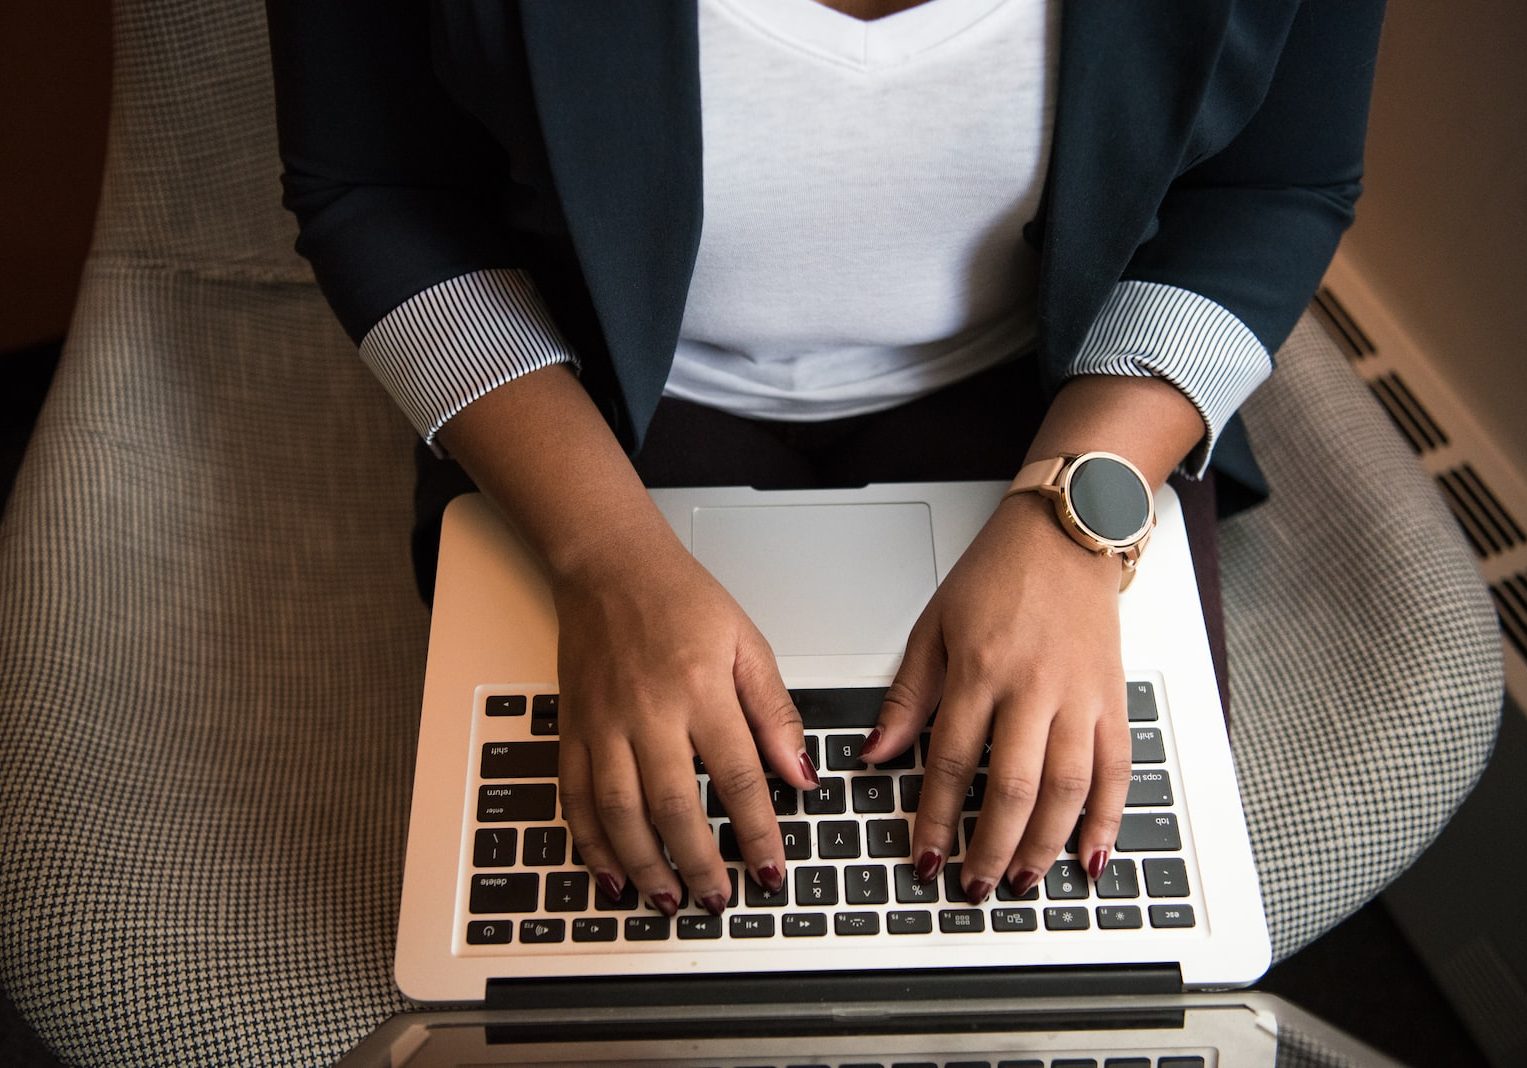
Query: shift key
(519, 760)
(1147, 746)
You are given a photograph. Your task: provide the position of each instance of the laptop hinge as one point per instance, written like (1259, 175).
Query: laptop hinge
(971, 985)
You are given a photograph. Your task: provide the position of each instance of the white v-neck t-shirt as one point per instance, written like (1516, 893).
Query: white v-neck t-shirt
(865, 185)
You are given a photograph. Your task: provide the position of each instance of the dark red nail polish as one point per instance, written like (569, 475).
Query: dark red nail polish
(1095, 867)
(665, 903)
(871, 741)
(608, 886)
(809, 769)
(715, 904)
(1028, 878)
(928, 865)
(978, 891)
(770, 879)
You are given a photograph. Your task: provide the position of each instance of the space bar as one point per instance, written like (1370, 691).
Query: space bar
(848, 706)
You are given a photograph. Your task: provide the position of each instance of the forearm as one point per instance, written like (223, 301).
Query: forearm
(539, 448)
(1147, 421)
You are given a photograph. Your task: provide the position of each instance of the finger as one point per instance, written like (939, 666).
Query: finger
(727, 749)
(1110, 787)
(958, 737)
(575, 784)
(1063, 787)
(673, 805)
(775, 720)
(1019, 734)
(622, 813)
(912, 695)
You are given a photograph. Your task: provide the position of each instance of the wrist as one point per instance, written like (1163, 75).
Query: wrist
(1033, 524)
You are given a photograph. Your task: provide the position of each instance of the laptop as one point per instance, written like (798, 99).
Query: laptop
(496, 909)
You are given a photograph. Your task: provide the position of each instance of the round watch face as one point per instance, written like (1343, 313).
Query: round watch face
(1108, 498)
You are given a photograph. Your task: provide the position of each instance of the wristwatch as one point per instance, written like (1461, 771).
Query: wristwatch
(1101, 500)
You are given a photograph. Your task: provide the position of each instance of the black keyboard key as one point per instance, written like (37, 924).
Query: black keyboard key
(1005, 892)
(1074, 1062)
(872, 793)
(730, 850)
(953, 891)
(1066, 919)
(1166, 878)
(567, 891)
(759, 898)
(713, 806)
(1147, 746)
(1171, 915)
(1149, 788)
(519, 760)
(517, 802)
(1149, 832)
(1118, 917)
(816, 886)
(731, 901)
(843, 752)
(691, 927)
(624, 903)
(1141, 697)
(797, 839)
(828, 799)
(961, 921)
(911, 892)
(856, 923)
(545, 846)
(505, 705)
(865, 884)
(1180, 1062)
(1021, 1064)
(1118, 880)
(915, 921)
(814, 750)
(785, 798)
(494, 847)
(911, 792)
(1066, 881)
(648, 928)
(504, 893)
(975, 793)
(544, 704)
(543, 725)
(838, 840)
(533, 932)
(970, 830)
(1013, 920)
(804, 924)
(752, 926)
(924, 743)
(1127, 1062)
(889, 838)
(840, 707)
(594, 929)
(900, 762)
(489, 932)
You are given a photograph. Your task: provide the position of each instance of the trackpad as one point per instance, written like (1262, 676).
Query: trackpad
(823, 578)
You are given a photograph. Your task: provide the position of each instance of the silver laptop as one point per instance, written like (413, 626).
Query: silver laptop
(496, 908)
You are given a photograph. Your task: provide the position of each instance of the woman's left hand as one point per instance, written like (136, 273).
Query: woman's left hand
(1020, 643)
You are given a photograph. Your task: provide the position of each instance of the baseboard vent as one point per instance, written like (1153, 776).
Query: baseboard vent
(1485, 492)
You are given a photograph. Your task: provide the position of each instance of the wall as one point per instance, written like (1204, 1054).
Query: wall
(1441, 231)
(55, 75)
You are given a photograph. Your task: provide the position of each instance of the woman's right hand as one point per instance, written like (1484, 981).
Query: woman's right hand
(657, 663)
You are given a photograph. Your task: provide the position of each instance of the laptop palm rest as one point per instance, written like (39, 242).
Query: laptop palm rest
(859, 574)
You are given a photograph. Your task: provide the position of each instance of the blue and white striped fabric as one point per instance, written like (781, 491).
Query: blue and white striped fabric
(448, 345)
(1148, 329)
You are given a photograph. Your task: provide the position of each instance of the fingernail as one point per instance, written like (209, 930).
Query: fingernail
(665, 903)
(608, 886)
(809, 769)
(1095, 865)
(769, 878)
(871, 741)
(715, 904)
(978, 891)
(928, 865)
(1026, 881)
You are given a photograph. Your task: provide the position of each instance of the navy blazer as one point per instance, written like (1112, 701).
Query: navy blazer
(1212, 145)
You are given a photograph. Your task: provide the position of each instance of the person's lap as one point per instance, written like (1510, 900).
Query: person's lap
(974, 430)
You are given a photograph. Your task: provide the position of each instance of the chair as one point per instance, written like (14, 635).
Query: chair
(211, 651)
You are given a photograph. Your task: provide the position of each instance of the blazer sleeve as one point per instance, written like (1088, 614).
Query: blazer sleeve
(395, 190)
(1245, 235)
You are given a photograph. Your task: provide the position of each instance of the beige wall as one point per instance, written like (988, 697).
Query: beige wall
(1441, 231)
(55, 75)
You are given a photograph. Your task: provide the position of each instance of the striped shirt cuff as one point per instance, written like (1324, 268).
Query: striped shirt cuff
(448, 345)
(1147, 329)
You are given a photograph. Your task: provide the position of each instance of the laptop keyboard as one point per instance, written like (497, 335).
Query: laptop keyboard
(847, 846)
